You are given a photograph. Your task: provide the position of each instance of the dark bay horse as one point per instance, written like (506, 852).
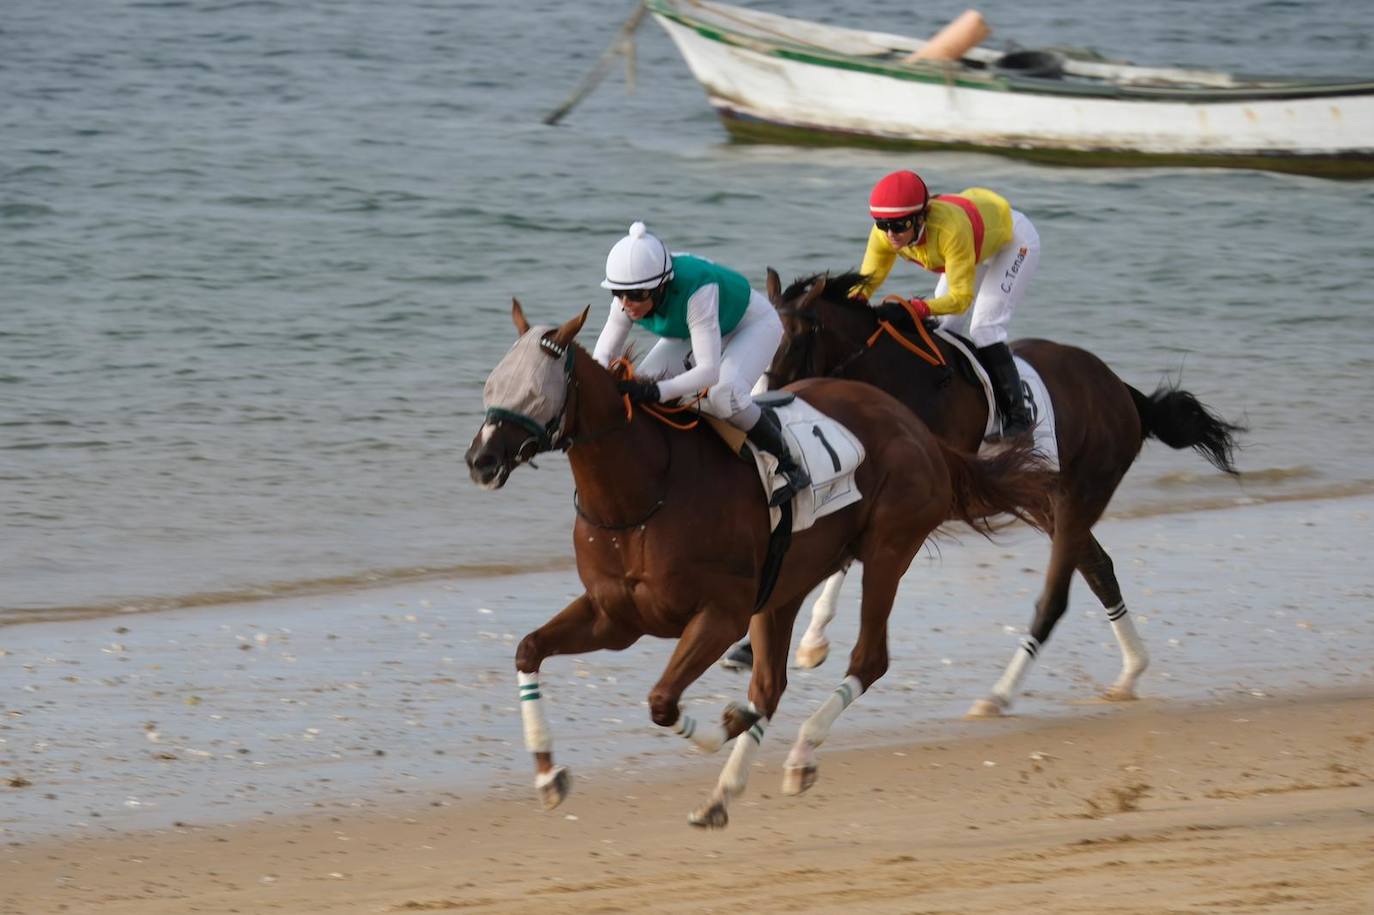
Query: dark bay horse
(1101, 423)
(672, 532)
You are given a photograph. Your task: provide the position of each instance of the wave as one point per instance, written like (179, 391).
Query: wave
(406, 575)
(279, 590)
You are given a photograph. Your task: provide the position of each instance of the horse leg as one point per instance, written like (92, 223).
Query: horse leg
(576, 629)
(814, 646)
(1100, 575)
(710, 631)
(1065, 548)
(867, 662)
(770, 633)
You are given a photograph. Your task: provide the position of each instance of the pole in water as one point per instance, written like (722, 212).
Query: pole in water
(623, 43)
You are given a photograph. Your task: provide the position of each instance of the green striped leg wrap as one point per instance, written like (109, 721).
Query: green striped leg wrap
(537, 736)
(817, 727)
(735, 775)
(1134, 657)
(710, 737)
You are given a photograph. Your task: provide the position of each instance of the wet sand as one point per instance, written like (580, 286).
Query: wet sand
(1250, 805)
(361, 752)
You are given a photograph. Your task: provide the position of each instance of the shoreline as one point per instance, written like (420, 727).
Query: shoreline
(134, 606)
(1248, 804)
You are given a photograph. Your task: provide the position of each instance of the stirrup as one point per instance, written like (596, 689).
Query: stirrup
(1010, 430)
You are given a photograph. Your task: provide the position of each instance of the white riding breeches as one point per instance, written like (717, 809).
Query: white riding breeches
(745, 354)
(999, 285)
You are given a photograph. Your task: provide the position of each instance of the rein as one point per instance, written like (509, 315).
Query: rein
(930, 352)
(937, 359)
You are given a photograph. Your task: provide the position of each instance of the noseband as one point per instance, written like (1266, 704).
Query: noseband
(553, 435)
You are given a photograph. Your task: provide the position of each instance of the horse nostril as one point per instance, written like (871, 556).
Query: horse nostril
(484, 461)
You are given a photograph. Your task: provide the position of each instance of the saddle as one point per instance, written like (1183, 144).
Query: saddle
(896, 320)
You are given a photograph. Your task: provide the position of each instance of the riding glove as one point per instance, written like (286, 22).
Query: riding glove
(894, 312)
(639, 390)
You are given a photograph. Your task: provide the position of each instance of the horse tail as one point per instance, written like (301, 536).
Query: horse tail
(1180, 420)
(1014, 480)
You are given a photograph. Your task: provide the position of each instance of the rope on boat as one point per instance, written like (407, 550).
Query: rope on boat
(623, 43)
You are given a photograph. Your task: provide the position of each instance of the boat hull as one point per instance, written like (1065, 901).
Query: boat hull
(784, 93)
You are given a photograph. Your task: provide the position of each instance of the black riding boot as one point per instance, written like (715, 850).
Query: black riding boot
(1006, 385)
(766, 434)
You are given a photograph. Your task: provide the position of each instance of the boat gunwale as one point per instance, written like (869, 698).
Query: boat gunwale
(943, 73)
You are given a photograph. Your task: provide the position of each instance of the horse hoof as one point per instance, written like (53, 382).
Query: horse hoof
(554, 786)
(1120, 694)
(986, 708)
(796, 779)
(712, 816)
(812, 656)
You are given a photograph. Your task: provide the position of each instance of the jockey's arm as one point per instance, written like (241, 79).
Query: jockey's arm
(610, 346)
(703, 321)
(878, 260)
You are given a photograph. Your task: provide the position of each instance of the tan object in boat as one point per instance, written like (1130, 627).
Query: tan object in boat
(951, 42)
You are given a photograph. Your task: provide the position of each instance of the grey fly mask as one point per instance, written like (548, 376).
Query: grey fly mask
(529, 387)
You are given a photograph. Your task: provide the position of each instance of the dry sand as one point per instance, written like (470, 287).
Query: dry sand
(1254, 804)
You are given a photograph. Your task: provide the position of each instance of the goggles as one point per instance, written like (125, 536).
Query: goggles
(896, 226)
(632, 295)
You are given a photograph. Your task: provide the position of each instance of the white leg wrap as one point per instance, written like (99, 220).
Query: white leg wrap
(710, 737)
(537, 736)
(1006, 688)
(817, 727)
(823, 611)
(1134, 657)
(735, 775)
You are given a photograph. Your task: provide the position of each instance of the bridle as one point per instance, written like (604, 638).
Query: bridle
(814, 328)
(554, 435)
(811, 319)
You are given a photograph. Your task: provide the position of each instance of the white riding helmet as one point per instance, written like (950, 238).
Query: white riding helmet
(638, 261)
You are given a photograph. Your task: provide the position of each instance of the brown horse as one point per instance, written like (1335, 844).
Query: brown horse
(1101, 422)
(672, 531)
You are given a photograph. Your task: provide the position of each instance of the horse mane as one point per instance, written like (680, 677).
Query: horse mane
(836, 290)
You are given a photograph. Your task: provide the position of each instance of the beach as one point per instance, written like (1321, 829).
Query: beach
(360, 751)
(258, 626)
(1247, 805)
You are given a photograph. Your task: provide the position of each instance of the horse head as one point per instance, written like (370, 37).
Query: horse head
(526, 400)
(823, 328)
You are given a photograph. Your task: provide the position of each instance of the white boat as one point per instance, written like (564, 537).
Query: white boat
(774, 78)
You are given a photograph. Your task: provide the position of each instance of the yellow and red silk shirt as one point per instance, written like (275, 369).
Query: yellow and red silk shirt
(946, 245)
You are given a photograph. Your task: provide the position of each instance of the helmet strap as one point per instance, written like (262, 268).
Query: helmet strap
(656, 297)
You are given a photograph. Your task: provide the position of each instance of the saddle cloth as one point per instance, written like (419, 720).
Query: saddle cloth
(830, 453)
(1032, 387)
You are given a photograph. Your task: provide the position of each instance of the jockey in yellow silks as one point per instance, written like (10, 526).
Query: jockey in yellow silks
(985, 252)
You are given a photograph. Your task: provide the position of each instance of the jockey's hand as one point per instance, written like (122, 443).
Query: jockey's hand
(639, 390)
(921, 308)
(894, 311)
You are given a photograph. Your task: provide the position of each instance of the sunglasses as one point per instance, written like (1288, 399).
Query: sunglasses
(632, 295)
(895, 226)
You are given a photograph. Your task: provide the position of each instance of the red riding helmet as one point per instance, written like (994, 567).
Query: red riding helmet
(898, 194)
